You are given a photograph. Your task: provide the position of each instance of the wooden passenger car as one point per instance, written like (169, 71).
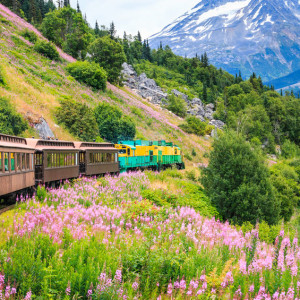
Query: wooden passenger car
(16, 164)
(97, 158)
(54, 160)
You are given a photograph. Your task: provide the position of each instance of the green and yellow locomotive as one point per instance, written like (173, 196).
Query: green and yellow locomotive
(154, 155)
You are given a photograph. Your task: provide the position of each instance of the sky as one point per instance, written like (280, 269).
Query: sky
(146, 16)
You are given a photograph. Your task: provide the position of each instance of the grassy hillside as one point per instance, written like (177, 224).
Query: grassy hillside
(35, 85)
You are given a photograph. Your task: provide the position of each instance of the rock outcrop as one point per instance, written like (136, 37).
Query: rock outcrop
(148, 89)
(144, 86)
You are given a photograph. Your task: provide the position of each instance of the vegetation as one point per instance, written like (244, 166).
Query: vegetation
(78, 118)
(89, 73)
(10, 121)
(109, 55)
(112, 124)
(29, 35)
(238, 182)
(195, 126)
(131, 236)
(47, 49)
(67, 29)
(177, 105)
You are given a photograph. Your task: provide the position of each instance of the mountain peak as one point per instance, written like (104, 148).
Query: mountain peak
(246, 35)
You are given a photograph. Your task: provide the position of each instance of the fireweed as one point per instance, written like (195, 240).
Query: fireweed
(99, 239)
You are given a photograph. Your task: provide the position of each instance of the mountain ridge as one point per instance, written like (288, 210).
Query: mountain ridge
(248, 35)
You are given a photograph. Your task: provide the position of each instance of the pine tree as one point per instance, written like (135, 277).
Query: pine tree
(205, 60)
(112, 30)
(97, 29)
(292, 94)
(139, 37)
(160, 46)
(78, 7)
(66, 3)
(281, 92)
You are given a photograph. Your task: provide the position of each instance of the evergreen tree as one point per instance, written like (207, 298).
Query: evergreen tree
(66, 3)
(204, 94)
(238, 182)
(78, 7)
(139, 37)
(112, 30)
(281, 93)
(97, 29)
(205, 60)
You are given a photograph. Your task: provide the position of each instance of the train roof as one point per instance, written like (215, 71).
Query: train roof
(95, 146)
(50, 144)
(10, 141)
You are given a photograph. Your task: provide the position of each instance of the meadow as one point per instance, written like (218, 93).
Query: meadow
(139, 236)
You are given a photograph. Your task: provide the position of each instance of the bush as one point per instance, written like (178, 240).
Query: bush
(177, 106)
(2, 79)
(29, 35)
(79, 119)
(194, 125)
(112, 124)
(47, 49)
(10, 121)
(89, 73)
(238, 182)
(290, 150)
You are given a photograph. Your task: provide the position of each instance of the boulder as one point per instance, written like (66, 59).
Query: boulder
(217, 123)
(179, 94)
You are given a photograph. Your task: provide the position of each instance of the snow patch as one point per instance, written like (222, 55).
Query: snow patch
(230, 9)
(267, 20)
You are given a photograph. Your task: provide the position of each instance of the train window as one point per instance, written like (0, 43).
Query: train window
(128, 151)
(116, 157)
(61, 159)
(0, 161)
(122, 151)
(18, 164)
(38, 159)
(27, 161)
(91, 158)
(49, 160)
(73, 159)
(57, 160)
(108, 155)
(31, 159)
(23, 161)
(6, 162)
(175, 151)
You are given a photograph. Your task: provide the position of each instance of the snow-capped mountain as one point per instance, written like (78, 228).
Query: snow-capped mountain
(247, 35)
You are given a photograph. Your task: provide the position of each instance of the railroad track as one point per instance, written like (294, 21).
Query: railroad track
(7, 208)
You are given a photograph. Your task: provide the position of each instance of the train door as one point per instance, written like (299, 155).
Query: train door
(151, 156)
(159, 157)
(82, 163)
(39, 167)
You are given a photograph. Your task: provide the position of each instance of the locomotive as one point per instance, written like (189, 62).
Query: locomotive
(26, 163)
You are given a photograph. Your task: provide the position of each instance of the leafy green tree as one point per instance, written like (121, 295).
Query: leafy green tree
(67, 29)
(238, 182)
(287, 190)
(88, 72)
(78, 118)
(177, 105)
(109, 55)
(253, 122)
(111, 123)
(11, 122)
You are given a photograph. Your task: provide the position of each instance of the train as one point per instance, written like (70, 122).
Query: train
(26, 163)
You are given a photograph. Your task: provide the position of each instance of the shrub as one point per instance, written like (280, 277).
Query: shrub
(47, 49)
(194, 125)
(112, 124)
(89, 73)
(2, 79)
(238, 182)
(29, 35)
(289, 149)
(78, 118)
(10, 121)
(177, 106)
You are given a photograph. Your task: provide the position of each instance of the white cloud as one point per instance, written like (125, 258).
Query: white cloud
(147, 16)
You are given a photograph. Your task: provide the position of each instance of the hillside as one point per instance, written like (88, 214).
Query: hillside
(251, 36)
(289, 82)
(35, 85)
